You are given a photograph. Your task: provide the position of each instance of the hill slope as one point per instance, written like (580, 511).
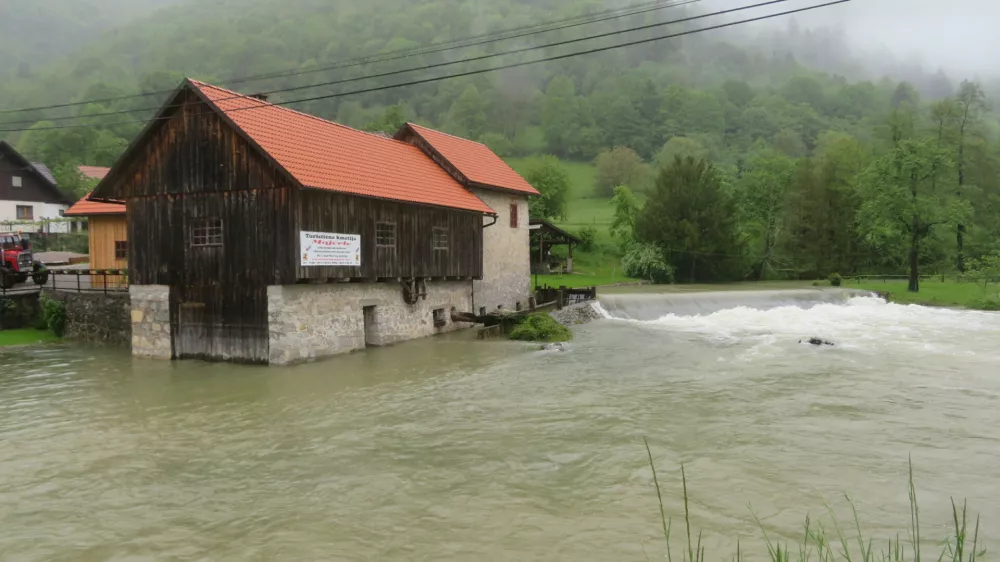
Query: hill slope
(35, 32)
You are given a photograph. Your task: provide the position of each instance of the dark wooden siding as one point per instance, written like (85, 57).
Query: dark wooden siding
(414, 255)
(195, 167)
(33, 188)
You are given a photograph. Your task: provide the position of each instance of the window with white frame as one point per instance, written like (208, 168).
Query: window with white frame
(439, 239)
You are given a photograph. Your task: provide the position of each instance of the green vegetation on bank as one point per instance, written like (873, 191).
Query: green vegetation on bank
(936, 293)
(26, 337)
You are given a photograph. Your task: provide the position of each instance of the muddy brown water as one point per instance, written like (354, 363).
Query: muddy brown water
(454, 449)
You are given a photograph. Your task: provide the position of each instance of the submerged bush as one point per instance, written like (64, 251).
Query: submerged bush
(542, 328)
(53, 314)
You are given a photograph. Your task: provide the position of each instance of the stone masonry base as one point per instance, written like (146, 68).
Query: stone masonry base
(151, 321)
(309, 322)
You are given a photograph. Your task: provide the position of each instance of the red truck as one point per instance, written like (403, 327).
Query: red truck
(18, 262)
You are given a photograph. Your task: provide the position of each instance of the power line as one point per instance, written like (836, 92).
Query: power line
(511, 33)
(468, 73)
(436, 65)
(632, 10)
(440, 65)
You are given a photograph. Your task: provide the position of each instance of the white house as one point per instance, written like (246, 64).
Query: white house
(30, 201)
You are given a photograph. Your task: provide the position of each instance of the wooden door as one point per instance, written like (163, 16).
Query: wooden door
(216, 325)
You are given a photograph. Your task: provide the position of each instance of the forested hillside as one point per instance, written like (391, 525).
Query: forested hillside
(34, 32)
(810, 153)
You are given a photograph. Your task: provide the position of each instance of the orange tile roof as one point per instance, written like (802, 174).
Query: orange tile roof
(85, 208)
(475, 161)
(321, 154)
(95, 172)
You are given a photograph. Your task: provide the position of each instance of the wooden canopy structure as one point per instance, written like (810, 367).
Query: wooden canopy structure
(544, 237)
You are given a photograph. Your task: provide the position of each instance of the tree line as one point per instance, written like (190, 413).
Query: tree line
(918, 192)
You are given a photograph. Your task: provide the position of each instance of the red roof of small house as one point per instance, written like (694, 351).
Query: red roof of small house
(86, 208)
(94, 172)
(321, 154)
(474, 160)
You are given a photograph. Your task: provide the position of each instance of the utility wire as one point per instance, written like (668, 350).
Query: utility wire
(430, 66)
(438, 65)
(442, 46)
(468, 73)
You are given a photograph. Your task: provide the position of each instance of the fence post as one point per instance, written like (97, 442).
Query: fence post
(561, 298)
(78, 282)
(104, 280)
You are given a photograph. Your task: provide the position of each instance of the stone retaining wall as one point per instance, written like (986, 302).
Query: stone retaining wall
(96, 318)
(577, 314)
(19, 311)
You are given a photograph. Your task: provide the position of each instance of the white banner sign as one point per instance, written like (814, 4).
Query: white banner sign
(329, 249)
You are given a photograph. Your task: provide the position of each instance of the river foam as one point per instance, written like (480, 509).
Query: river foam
(855, 322)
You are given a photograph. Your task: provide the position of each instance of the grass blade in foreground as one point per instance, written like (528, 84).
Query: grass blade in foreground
(815, 545)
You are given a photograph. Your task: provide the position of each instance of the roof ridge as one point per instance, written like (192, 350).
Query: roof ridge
(283, 108)
(456, 137)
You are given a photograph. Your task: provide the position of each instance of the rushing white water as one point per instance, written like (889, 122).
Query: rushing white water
(863, 325)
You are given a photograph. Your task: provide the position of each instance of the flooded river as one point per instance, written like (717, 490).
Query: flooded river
(453, 449)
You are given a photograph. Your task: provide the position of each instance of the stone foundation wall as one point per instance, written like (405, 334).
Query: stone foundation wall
(506, 254)
(19, 311)
(309, 322)
(150, 320)
(96, 318)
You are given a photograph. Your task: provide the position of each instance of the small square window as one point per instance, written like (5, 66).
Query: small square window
(16, 181)
(440, 321)
(25, 213)
(385, 235)
(121, 250)
(514, 222)
(206, 232)
(439, 239)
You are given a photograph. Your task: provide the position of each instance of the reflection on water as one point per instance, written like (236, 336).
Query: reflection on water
(453, 449)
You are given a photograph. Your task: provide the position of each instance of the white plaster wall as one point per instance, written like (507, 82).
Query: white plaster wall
(309, 322)
(506, 254)
(8, 214)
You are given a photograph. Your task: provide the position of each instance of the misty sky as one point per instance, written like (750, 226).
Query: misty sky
(962, 36)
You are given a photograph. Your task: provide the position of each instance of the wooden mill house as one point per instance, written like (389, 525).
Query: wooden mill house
(264, 235)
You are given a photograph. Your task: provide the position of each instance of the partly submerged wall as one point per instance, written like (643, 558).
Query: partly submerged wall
(150, 320)
(96, 318)
(309, 322)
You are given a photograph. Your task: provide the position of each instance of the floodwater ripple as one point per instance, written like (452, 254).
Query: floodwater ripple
(453, 449)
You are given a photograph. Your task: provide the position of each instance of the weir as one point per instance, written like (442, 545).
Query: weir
(652, 306)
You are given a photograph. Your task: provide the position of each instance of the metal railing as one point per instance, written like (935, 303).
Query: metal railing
(88, 280)
(75, 281)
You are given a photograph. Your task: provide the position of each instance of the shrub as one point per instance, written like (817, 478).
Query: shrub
(645, 261)
(542, 328)
(588, 237)
(835, 279)
(991, 303)
(53, 314)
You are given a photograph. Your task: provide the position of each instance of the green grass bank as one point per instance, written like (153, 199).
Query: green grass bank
(937, 293)
(26, 337)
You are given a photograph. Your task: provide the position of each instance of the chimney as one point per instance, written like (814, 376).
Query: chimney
(261, 97)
